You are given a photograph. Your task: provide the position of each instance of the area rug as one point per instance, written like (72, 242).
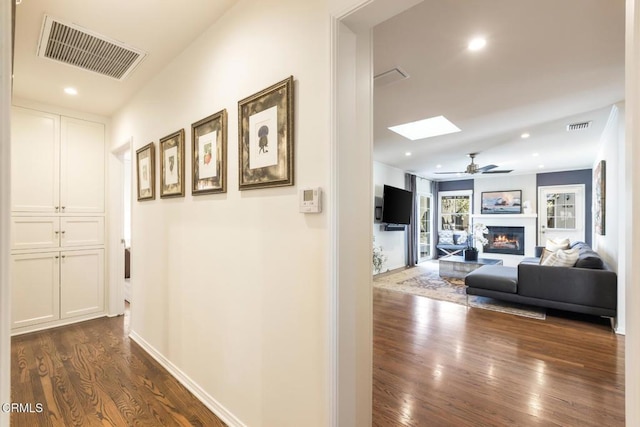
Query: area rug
(425, 282)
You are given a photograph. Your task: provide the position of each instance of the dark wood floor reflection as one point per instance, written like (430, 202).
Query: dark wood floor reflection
(440, 364)
(91, 374)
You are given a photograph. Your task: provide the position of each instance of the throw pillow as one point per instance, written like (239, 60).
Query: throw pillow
(562, 258)
(461, 239)
(445, 237)
(554, 245)
(545, 254)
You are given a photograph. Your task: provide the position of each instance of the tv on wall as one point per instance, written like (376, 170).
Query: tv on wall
(396, 205)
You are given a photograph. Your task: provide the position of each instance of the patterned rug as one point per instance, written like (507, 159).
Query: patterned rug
(425, 281)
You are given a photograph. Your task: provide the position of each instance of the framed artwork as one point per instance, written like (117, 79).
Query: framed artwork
(599, 197)
(172, 165)
(501, 202)
(209, 154)
(265, 137)
(146, 172)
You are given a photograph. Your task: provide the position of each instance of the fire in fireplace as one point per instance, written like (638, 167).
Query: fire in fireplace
(505, 240)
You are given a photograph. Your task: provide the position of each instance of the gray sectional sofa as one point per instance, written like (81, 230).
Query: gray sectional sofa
(589, 287)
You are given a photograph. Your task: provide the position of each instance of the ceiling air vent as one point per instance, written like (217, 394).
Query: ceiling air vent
(78, 47)
(579, 126)
(390, 76)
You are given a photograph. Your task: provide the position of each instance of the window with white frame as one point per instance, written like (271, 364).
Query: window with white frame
(454, 211)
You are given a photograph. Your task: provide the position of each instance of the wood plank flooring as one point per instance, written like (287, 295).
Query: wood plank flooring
(92, 374)
(441, 364)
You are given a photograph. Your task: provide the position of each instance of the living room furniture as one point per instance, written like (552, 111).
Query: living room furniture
(589, 287)
(457, 267)
(57, 220)
(450, 250)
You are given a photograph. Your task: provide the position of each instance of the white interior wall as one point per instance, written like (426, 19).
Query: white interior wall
(230, 289)
(526, 183)
(393, 243)
(607, 245)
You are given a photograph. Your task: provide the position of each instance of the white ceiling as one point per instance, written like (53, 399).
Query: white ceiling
(161, 28)
(547, 63)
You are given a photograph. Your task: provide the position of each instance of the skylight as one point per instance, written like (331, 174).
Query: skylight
(427, 128)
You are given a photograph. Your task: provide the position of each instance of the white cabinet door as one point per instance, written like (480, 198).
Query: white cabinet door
(81, 282)
(35, 232)
(82, 166)
(35, 288)
(81, 231)
(35, 161)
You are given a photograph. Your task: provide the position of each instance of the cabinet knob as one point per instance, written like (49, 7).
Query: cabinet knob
(64, 256)
(56, 231)
(62, 231)
(57, 257)
(63, 208)
(57, 208)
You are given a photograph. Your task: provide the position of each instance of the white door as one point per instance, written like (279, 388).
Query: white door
(424, 227)
(35, 290)
(35, 161)
(81, 282)
(561, 213)
(82, 166)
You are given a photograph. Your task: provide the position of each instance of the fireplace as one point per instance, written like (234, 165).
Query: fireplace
(505, 240)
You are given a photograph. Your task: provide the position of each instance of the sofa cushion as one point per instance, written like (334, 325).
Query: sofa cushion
(461, 239)
(494, 277)
(589, 259)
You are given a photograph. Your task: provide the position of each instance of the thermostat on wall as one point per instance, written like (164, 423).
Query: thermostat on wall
(311, 200)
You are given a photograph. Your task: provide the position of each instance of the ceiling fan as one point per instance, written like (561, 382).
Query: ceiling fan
(473, 168)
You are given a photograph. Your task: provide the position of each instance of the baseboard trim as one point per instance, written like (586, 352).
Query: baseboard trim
(214, 406)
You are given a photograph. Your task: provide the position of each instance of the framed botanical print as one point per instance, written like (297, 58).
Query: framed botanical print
(146, 172)
(209, 154)
(172, 165)
(265, 145)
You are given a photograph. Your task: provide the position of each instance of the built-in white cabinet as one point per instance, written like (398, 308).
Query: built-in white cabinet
(52, 232)
(58, 214)
(81, 282)
(35, 288)
(49, 286)
(58, 164)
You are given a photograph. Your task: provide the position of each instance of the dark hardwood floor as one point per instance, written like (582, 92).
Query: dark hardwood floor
(440, 364)
(91, 374)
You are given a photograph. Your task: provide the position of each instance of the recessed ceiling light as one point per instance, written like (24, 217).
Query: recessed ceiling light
(438, 166)
(434, 126)
(477, 43)
(70, 91)
(525, 135)
(535, 154)
(541, 166)
(407, 154)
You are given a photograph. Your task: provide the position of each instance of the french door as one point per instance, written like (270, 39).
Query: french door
(561, 213)
(425, 223)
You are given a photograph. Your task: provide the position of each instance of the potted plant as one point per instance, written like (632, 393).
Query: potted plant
(476, 236)
(378, 258)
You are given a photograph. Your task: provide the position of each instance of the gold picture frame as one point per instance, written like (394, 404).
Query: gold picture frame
(265, 137)
(209, 154)
(146, 172)
(172, 165)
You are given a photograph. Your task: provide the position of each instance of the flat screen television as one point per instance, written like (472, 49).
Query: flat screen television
(396, 205)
